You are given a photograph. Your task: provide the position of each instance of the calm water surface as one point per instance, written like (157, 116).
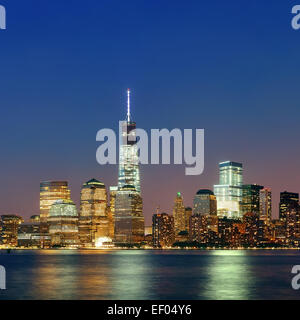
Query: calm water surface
(147, 274)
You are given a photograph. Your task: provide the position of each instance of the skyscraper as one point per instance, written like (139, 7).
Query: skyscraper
(229, 191)
(251, 195)
(287, 199)
(129, 219)
(93, 218)
(265, 204)
(179, 214)
(50, 191)
(205, 203)
(111, 217)
(163, 230)
(63, 223)
(129, 173)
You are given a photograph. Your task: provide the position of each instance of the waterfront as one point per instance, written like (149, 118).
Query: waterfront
(147, 274)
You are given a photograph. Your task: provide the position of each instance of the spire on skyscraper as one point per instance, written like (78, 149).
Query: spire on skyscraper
(128, 105)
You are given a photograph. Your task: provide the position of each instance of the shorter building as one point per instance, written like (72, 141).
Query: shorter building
(251, 223)
(179, 214)
(292, 224)
(163, 230)
(9, 233)
(203, 228)
(265, 204)
(187, 215)
(35, 218)
(251, 197)
(265, 231)
(63, 224)
(205, 203)
(229, 232)
(279, 231)
(287, 199)
(182, 236)
(29, 235)
(148, 230)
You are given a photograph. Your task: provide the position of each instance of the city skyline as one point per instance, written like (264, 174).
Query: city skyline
(189, 69)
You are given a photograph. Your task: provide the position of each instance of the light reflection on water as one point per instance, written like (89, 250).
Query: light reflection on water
(145, 274)
(229, 278)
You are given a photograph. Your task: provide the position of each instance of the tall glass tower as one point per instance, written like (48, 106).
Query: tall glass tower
(129, 173)
(229, 191)
(129, 219)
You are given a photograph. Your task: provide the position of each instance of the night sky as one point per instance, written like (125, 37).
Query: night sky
(230, 67)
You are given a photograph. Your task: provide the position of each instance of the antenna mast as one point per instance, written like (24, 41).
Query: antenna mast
(128, 105)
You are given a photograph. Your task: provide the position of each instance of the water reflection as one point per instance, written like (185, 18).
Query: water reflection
(135, 274)
(229, 276)
(130, 275)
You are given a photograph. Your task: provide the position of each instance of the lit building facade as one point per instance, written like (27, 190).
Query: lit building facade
(93, 217)
(265, 204)
(205, 203)
(229, 191)
(203, 228)
(228, 231)
(112, 200)
(9, 229)
(51, 191)
(29, 235)
(163, 232)
(35, 218)
(63, 224)
(287, 199)
(251, 196)
(129, 219)
(129, 173)
(251, 223)
(188, 212)
(292, 223)
(128, 206)
(179, 214)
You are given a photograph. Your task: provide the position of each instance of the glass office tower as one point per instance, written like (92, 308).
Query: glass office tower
(129, 173)
(128, 211)
(251, 196)
(229, 191)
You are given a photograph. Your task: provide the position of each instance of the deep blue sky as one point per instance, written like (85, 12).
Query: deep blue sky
(230, 67)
